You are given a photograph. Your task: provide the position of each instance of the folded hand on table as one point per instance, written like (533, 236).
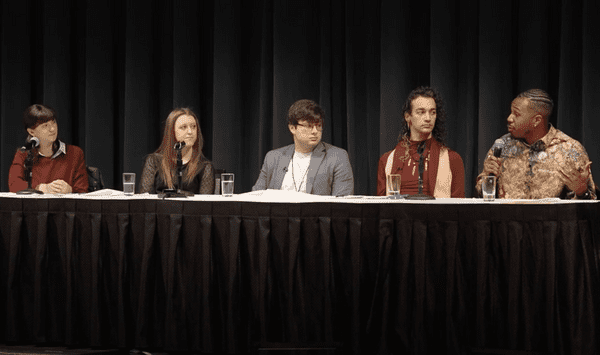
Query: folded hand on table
(55, 187)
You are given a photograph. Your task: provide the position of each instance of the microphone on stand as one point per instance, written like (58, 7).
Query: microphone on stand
(177, 191)
(30, 143)
(420, 195)
(420, 150)
(179, 146)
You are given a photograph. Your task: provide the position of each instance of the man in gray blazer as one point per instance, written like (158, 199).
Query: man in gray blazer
(308, 165)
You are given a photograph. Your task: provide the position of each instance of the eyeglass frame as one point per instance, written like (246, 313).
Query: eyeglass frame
(310, 127)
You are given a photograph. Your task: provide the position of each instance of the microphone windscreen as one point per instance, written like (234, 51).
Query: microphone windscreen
(31, 142)
(179, 145)
(497, 152)
(34, 140)
(497, 147)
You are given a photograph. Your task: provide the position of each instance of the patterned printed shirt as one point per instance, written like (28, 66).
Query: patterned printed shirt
(531, 171)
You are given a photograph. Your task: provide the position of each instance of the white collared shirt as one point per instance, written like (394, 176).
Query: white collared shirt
(62, 149)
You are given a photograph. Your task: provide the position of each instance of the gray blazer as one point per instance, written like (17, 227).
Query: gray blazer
(329, 172)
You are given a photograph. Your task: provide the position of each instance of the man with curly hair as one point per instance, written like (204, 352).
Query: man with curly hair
(537, 160)
(423, 126)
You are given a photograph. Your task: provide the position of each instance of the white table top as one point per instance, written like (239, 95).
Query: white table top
(278, 196)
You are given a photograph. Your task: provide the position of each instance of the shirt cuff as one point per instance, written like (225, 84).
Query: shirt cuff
(587, 195)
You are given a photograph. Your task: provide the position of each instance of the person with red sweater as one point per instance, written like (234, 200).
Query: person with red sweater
(423, 124)
(58, 168)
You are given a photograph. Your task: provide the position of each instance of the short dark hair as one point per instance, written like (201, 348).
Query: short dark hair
(539, 101)
(37, 114)
(305, 110)
(439, 130)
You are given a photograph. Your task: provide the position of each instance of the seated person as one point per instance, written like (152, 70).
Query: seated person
(424, 123)
(160, 167)
(308, 165)
(538, 160)
(58, 168)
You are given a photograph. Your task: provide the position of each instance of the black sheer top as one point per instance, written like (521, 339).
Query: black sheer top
(202, 183)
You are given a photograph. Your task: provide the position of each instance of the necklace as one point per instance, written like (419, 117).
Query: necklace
(297, 188)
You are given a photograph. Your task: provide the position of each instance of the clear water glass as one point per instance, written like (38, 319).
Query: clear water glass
(227, 182)
(129, 183)
(392, 184)
(488, 188)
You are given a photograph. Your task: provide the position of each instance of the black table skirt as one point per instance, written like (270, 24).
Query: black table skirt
(225, 276)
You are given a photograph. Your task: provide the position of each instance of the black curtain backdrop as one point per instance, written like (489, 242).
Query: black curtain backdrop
(114, 70)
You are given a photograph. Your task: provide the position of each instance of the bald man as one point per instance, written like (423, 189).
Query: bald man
(538, 160)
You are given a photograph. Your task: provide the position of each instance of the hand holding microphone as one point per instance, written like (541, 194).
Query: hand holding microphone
(493, 163)
(492, 166)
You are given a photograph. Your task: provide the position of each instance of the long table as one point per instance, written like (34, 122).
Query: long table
(225, 275)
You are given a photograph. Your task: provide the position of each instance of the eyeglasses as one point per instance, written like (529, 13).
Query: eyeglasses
(310, 127)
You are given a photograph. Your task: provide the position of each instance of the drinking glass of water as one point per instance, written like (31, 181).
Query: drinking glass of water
(227, 180)
(488, 188)
(129, 183)
(392, 184)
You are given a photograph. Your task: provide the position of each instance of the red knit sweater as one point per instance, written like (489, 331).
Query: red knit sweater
(69, 167)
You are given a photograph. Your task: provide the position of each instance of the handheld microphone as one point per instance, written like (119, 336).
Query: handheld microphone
(31, 143)
(497, 152)
(179, 145)
(497, 149)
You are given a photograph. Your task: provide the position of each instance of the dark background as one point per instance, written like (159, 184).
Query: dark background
(114, 70)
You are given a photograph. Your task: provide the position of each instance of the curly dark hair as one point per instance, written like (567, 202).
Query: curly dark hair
(305, 110)
(439, 130)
